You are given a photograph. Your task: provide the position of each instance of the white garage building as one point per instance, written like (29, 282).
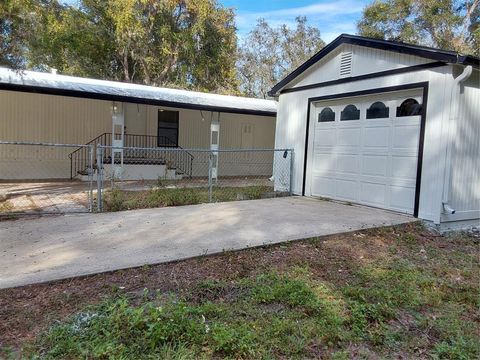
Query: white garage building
(386, 124)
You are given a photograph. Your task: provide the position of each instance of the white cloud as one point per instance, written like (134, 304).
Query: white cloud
(332, 17)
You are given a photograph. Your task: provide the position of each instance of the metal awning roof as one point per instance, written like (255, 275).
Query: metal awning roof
(54, 84)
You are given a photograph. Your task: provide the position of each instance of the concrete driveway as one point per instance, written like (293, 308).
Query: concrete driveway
(50, 248)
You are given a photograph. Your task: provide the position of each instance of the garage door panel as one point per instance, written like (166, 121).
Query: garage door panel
(371, 161)
(325, 137)
(348, 137)
(346, 190)
(402, 198)
(406, 137)
(347, 163)
(376, 137)
(404, 167)
(323, 186)
(374, 165)
(373, 194)
(324, 162)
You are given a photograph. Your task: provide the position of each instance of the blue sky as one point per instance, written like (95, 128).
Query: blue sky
(331, 17)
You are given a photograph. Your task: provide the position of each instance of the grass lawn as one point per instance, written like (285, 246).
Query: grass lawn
(118, 200)
(396, 292)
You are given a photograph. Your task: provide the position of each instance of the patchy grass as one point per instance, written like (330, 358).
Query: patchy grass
(6, 206)
(118, 200)
(397, 292)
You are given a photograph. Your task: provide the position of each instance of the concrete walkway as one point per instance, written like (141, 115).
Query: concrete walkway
(50, 248)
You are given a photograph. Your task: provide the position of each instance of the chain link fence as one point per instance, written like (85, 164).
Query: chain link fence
(35, 178)
(133, 178)
(46, 178)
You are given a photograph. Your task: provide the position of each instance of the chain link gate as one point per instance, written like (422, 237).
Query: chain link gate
(157, 177)
(40, 178)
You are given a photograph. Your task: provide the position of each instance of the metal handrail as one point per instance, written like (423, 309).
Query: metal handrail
(182, 161)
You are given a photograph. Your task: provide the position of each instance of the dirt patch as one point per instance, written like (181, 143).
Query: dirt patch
(26, 311)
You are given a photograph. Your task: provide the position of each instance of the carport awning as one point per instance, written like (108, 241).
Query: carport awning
(46, 83)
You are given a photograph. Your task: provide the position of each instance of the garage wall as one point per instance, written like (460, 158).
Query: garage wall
(291, 123)
(365, 60)
(464, 184)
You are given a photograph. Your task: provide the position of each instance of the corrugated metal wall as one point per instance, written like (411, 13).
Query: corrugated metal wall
(465, 171)
(49, 118)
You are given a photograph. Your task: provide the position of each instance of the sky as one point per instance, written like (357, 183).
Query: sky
(331, 17)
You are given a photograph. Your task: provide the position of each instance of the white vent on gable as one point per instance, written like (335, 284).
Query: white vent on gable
(346, 64)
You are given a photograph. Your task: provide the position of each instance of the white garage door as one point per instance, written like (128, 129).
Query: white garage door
(365, 149)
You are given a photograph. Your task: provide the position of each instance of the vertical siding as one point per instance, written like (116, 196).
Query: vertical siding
(365, 61)
(59, 119)
(465, 165)
(46, 118)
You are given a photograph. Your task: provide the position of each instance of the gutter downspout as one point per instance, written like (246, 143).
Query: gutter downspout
(454, 118)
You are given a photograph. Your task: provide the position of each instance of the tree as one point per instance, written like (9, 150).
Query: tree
(15, 19)
(446, 24)
(180, 43)
(268, 54)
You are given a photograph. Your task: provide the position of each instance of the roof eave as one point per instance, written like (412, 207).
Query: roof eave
(131, 99)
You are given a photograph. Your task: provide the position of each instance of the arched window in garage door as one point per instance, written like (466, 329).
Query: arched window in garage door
(350, 112)
(378, 110)
(409, 107)
(326, 115)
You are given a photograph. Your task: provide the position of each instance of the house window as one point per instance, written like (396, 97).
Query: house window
(326, 115)
(167, 128)
(350, 113)
(378, 110)
(409, 107)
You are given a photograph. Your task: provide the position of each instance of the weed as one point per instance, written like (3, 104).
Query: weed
(6, 206)
(118, 200)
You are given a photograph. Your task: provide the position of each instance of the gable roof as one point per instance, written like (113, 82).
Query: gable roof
(446, 56)
(53, 84)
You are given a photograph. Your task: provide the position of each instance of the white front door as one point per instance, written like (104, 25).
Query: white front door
(365, 149)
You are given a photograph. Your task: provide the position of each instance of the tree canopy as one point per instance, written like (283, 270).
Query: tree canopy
(16, 17)
(446, 24)
(267, 54)
(180, 43)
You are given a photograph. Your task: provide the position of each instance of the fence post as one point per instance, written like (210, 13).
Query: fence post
(90, 178)
(99, 177)
(210, 182)
(291, 172)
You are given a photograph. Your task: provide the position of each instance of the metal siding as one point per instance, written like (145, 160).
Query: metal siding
(46, 118)
(50, 118)
(465, 165)
(291, 122)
